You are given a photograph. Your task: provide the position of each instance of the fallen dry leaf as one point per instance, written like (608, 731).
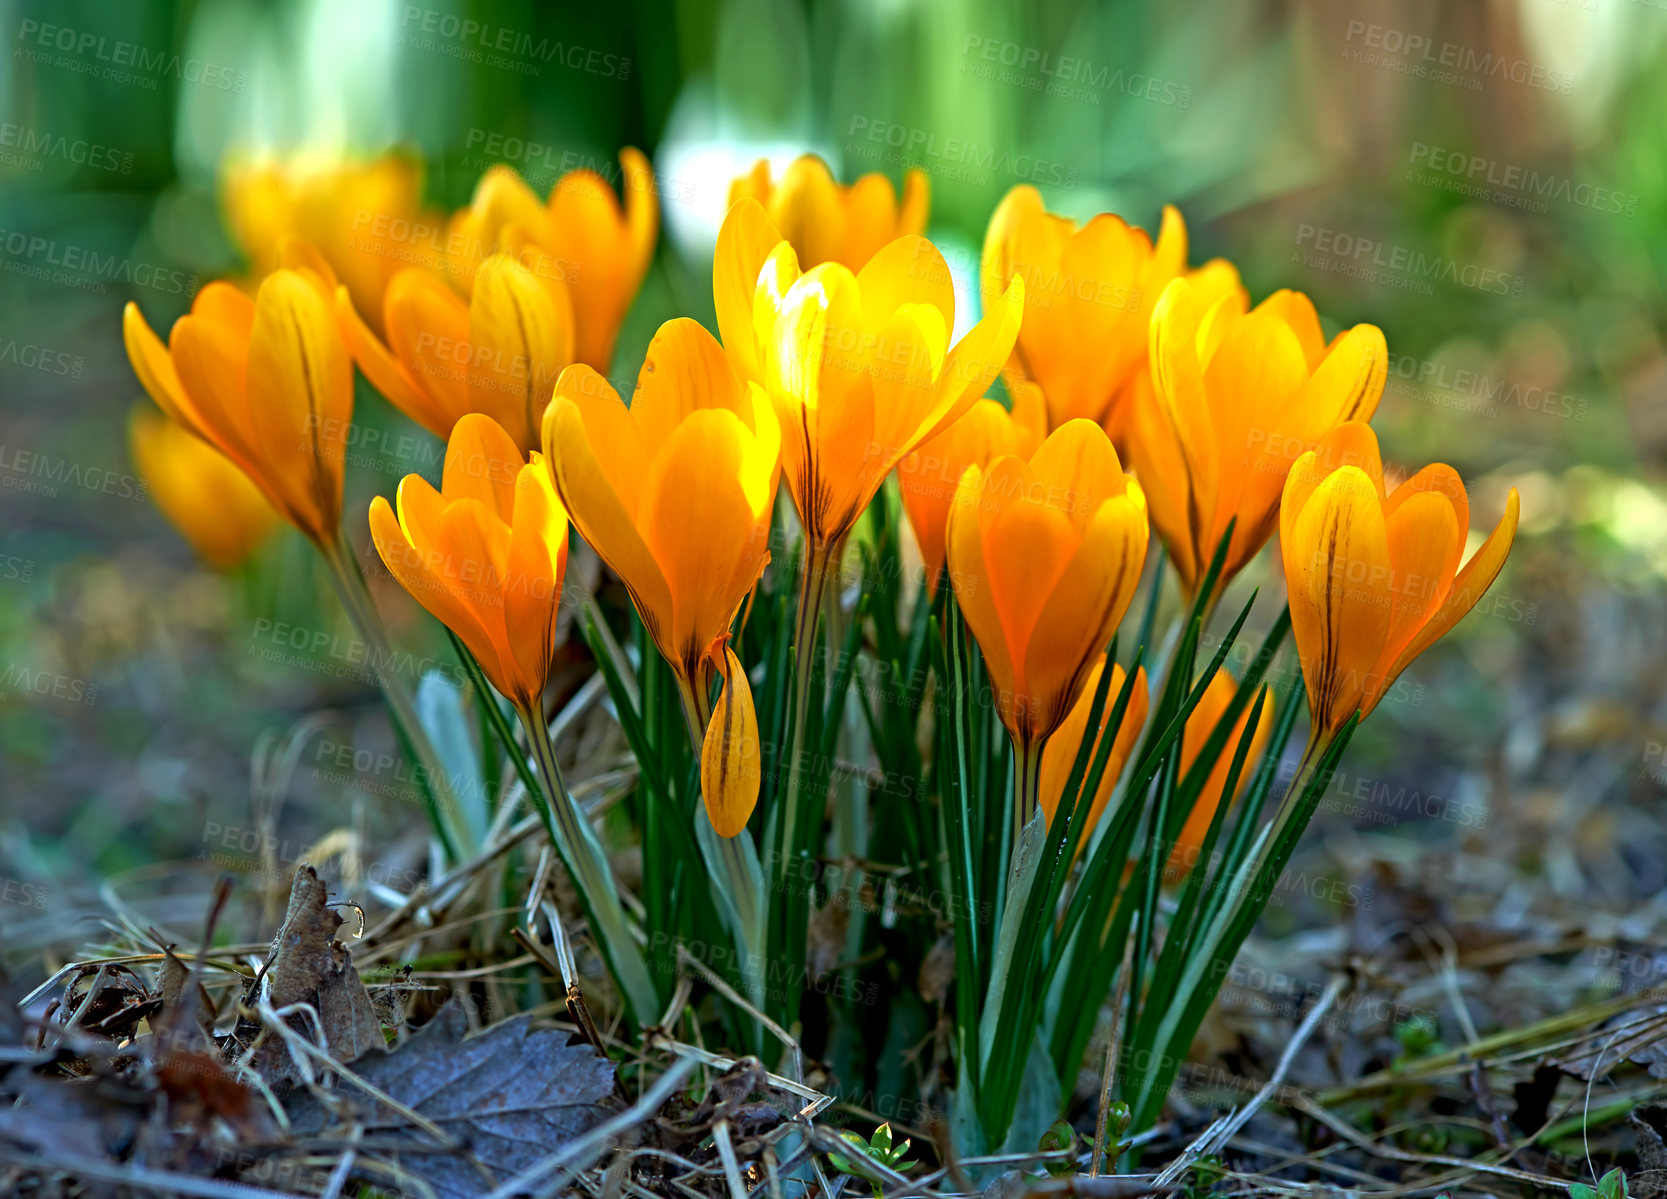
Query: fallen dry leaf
(310, 966)
(509, 1096)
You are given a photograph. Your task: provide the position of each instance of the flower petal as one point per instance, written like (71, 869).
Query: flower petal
(744, 243)
(1336, 572)
(731, 764)
(1472, 582)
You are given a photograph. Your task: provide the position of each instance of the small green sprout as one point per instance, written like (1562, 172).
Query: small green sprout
(879, 1149)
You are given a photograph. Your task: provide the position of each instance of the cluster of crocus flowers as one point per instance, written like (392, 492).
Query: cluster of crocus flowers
(364, 217)
(581, 242)
(1374, 576)
(1045, 555)
(268, 382)
(1089, 290)
(827, 221)
(208, 499)
(675, 494)
(1242, 395)
(499, 352)
(485, 554)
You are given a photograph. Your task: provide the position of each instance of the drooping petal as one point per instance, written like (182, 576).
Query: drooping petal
(202, 492)
(731, 761)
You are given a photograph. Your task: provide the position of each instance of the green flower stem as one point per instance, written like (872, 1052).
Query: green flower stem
(581, 853)
(355, 596)
(819, 561)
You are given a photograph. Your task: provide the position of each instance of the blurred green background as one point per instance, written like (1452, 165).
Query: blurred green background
(1487, 182)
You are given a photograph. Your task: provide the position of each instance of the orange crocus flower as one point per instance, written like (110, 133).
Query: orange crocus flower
(1062, 748)
(364, 217)
(268, 382)
(675, 494)
(928, 477)
(1045, 555)
(485, 554)
(827, 222)
(580, 242)
(1212, 706)
(500, 353)
(213, 504)
(1243, 395)
(1374, 576)
(859, 366)
(1089, 290)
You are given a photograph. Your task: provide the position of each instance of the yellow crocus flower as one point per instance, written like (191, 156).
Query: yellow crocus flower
(364, 217)
(268, 382)
(498, 353)
(1045, 556)
(1242, 394)
(485, 554)
(580, 242)
(1089, 291)
(828, 222)
(1374, 576)
(675, 493)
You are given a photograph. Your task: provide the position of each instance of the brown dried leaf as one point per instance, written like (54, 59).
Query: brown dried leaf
(310, 966)
(510, 1096)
